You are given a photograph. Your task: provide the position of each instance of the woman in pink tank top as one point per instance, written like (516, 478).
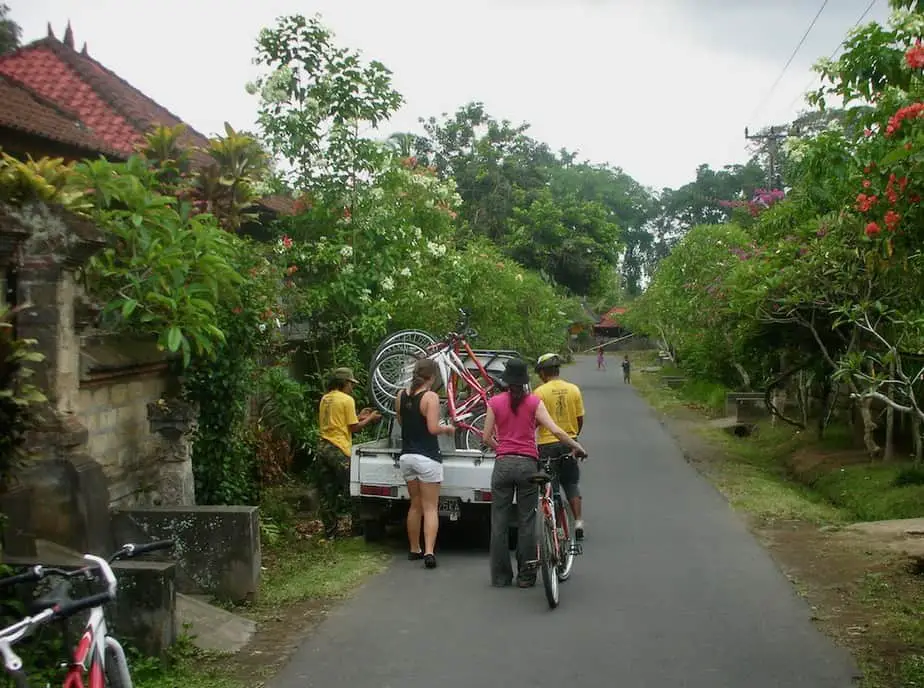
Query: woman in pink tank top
(510, 429)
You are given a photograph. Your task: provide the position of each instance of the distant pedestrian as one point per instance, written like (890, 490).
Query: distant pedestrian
(601, 361)
(626, 366)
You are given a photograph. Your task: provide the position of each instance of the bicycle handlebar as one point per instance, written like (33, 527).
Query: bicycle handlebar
(32, 575)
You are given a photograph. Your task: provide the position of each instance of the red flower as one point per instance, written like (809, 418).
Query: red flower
(864, 202)
(292, 270)
(867, 132)
(286, 241)
(891, 220)
(868, 169)
(872, 229)
(915, 56)
(910, 112)
(866, 183)
(237, 310)
(347, 213)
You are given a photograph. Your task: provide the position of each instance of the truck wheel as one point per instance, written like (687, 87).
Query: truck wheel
(374, 530)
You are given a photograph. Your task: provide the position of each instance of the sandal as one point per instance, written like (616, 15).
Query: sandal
(429, 561)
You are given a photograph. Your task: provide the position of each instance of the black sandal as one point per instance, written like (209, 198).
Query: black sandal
(429, 561)
(415, 556)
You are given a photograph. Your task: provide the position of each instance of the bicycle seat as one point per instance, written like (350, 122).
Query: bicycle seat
(541, 478)
(59, 594)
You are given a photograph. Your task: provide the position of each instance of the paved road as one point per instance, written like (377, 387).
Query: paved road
(671, 591)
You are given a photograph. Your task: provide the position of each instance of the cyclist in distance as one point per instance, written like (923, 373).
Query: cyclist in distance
(510, 429)
(566, 407)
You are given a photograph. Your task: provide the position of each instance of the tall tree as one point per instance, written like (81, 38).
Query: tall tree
(10, 31)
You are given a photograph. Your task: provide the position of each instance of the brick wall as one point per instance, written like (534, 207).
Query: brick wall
(119, 377)
(115, 415)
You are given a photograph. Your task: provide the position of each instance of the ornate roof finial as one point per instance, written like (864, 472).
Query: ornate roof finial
(83, 50)
(69, 36)
(51, 34)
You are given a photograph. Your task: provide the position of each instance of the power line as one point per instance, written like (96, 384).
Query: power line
(840, 45)
(791, 58)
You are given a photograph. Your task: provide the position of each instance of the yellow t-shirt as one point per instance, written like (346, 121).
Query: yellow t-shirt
(337, 414)
(565, 405)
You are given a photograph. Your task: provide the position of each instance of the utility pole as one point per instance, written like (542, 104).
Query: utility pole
(773, 138)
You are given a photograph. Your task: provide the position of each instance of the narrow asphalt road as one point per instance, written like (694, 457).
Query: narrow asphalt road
(671, 591)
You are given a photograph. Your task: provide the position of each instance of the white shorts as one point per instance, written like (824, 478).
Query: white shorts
(420, 467)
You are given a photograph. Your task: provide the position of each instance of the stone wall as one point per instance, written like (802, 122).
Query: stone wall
(120, 379)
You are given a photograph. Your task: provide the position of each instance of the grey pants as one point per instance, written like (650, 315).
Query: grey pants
(512, 473)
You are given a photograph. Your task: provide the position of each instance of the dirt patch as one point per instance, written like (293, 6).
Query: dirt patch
(278, 636)
(809, 462)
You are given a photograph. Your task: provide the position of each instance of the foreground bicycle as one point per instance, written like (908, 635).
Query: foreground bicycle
(556, 546)
(99, 657)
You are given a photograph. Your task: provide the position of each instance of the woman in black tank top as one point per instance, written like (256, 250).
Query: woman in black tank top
(418, 412)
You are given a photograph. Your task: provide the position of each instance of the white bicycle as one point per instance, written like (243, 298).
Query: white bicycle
(99, 657)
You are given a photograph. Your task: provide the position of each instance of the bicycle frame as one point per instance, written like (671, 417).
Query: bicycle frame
(90, 654)
(452, 369)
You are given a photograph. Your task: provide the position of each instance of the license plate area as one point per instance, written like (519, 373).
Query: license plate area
(451, 508)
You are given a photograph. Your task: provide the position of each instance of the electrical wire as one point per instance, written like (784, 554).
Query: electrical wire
(789, 61)
(840, 45)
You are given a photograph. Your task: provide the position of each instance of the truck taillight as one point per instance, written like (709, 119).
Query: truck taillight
(378, 491)
(482, 496)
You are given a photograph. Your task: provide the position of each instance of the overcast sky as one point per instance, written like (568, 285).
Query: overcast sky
(655, 86)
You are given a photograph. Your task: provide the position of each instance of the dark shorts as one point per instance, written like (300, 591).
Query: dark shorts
(569, 470)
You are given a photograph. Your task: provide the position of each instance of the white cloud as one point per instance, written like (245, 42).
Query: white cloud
(656, 88)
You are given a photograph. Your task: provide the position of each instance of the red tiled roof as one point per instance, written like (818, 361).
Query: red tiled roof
(118, 114)
(609, 319)
(26, 111)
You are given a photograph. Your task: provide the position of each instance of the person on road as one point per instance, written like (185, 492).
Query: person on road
(601, 361)
(418, 412)
(566, 407)
(337, 422)
(510, 429)
(626, 369)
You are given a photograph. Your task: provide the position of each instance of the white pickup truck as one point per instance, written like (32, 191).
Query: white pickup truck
(465, 495)
(376, 482)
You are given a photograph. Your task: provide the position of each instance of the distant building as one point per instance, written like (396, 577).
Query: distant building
(609, 324)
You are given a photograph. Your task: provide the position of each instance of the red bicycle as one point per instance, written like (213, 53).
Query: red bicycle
(99, 657)
(471, 376)
(556, 546)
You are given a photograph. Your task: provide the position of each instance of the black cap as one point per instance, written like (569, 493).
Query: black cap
(516, 372)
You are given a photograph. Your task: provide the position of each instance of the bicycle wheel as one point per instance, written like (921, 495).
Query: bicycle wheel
(117, 674)
(547, 563)
(391, 372)
(566, 538)
(416, 337)
(472, 439)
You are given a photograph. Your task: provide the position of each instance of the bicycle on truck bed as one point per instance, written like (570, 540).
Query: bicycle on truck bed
(98, 657)
(556, 544)
(467, 390)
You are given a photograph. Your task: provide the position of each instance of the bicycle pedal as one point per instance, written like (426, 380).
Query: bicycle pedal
(534, 564)
(576, 549)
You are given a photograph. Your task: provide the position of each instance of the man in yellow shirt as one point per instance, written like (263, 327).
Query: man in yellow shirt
(566, 406)
(337, 421)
